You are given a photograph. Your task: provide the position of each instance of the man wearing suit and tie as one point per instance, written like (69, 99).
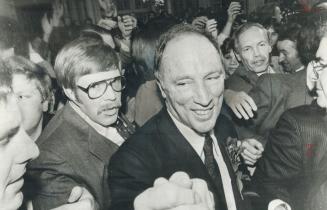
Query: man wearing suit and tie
(77, 144)
(188, 134)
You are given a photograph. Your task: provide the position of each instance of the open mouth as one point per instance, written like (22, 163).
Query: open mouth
(109, 112)
(203, 113)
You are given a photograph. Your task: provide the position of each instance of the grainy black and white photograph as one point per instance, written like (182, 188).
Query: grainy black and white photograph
(163, 104)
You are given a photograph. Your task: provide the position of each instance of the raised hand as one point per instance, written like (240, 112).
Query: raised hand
(126, 24)
(211, 28)
(234, 9)
(200, 22)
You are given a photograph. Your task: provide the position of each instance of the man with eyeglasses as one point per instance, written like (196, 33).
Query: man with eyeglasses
(292, 172)
(77, 144)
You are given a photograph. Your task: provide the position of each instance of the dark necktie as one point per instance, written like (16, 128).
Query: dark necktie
(212, 166)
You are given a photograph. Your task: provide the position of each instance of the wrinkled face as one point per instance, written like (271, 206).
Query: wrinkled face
(254, 50)
(102, 110)
(288, 55)
(16, 149)
(192, 81)
(230, 62)
(321, 83)
(30, 101)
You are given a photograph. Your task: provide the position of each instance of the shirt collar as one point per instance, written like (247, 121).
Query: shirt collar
(109, 132)
(193, 138)
(270, 70)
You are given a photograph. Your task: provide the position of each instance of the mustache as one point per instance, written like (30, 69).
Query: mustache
(109, 107)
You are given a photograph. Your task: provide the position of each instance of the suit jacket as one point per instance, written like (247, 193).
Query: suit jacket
(294, 157)
(158, 149)
(273, 95)
(71, 153)
(241, 80)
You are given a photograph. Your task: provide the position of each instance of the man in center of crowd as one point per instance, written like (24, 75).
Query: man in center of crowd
(189, 133)
(76, 145)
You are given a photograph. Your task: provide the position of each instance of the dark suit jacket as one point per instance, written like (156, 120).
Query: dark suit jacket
(158, 149)
(294, 157)
(71, 153)
(273, 95)
(241, 80)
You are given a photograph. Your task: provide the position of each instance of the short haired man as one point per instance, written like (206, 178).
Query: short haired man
(253, 50)
(287, 46)
(32, 86)
(188, 134)
(79, 141)
(275, 93)
(17, 149)
(293, 166)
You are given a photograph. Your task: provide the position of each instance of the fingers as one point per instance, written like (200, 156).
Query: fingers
(181, 179)
(165, 196)
(191, 207)
(201, 188)
(75, 194)
(80, 205)
(252, 151)
(241, 104)
(160, 181)
(200, 22)
(243, 109)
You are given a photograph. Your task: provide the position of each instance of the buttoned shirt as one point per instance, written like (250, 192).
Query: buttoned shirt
(109, 132)
(197, 142)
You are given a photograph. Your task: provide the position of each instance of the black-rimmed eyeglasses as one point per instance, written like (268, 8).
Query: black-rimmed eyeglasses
(97, 89)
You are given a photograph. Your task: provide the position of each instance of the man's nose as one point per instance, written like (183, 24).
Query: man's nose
(110, 94)
(31, 149)
(202, 95)
(281, 57)
(256, 51)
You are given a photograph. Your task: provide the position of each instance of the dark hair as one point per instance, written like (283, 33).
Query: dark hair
(289, 31)
(227, 46)
(144, 44)
(83, 56)
(174, 32)
(309, 38)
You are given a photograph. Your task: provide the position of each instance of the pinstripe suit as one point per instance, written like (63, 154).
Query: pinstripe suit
(295, 156)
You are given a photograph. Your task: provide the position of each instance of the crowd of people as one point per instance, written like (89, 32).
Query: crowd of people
(169, 114)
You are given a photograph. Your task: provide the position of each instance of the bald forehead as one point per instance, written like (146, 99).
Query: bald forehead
(187, 47)
(257, 30)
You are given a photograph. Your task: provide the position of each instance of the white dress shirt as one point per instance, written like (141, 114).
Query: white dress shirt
(197, 142)
(109, 132)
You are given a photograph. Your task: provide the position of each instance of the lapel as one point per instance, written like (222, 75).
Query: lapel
(98, 145)
(185, 156)
(248, 76)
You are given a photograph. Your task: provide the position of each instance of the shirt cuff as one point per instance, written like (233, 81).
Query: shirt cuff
(277, 202)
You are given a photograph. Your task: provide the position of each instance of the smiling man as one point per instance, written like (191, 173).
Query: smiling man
(188, 134)
(78, 142)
